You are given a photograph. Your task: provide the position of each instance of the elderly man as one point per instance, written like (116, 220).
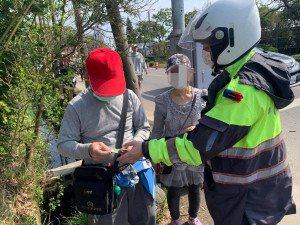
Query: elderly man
(90, 128)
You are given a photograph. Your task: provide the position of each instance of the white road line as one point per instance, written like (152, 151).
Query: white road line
(294, 104)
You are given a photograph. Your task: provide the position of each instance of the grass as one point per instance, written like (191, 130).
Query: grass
(78, 219)
(164, 206)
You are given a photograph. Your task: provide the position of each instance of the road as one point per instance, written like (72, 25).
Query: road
(290, 120)
(156, 82)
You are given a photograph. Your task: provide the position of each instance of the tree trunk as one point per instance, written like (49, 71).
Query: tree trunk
(80, 37)
(122, 45)
(30, 147)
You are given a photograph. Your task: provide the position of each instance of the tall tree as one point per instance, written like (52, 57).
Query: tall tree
(163, 18)
(280, 32)
(122, 46)
(130, 32)
(292, 7)
(188, 16)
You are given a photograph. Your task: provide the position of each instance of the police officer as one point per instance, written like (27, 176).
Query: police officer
(247, 175)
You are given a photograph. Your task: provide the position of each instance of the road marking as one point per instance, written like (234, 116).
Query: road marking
(294, 104)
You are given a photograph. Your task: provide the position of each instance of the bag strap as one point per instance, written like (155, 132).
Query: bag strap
(193, 104)
(122, 125)
(123, 120)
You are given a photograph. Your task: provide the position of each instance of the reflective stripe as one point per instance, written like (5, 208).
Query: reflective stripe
(211, 140)
(248, 179)
(248, 153)
(172, 150)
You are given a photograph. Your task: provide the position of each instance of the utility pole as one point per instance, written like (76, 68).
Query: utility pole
(178, 25)
(178, 28)
(149, 21)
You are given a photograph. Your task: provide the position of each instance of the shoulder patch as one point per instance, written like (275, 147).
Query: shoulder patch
(233, 95)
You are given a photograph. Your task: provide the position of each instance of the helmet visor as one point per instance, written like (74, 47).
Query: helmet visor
(186, 40)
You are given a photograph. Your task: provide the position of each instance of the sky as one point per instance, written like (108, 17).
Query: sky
(189, 5)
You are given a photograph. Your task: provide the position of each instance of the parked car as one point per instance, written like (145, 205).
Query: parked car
(292, 65)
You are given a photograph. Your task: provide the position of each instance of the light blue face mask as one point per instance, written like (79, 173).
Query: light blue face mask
(104, 99)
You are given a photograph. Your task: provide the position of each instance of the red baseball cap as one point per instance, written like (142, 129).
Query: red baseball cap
(105, 69)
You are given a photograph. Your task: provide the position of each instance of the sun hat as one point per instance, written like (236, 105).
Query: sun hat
(178, 59)
(105, 69)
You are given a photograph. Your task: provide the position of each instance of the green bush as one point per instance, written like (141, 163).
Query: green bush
(162, 65)
(297, 57)
(162, 58)
(267, 47)
(151, 64)
(149, 58)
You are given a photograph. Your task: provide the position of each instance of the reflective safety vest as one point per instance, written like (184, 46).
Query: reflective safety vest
(244, 143)
(261, 151)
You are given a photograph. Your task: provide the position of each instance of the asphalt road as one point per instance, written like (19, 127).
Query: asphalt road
(290, 119)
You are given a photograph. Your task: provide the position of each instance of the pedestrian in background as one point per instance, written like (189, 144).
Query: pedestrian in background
(139, 64)
(178, 111)
(74, 82)
(81, 71)
(89, 131)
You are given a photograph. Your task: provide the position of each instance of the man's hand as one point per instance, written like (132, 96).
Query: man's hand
(99, 151)
(188, 129)
(132, 155)
(146, 72)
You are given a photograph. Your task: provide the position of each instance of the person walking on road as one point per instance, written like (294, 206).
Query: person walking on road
(89, 131)
(178, 111)
(139, 64)
(247, 178)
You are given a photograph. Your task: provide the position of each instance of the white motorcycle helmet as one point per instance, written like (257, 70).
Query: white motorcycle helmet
(230, 27)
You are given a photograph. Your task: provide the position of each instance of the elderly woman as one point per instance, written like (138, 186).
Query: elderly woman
(178, 111)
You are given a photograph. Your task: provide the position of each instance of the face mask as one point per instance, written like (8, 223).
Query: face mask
(104, 99)
(177, 76)
(207, 58)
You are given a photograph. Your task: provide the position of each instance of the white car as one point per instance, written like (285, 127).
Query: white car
(292, 65)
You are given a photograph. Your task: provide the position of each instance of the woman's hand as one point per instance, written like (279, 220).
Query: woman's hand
(188, 129)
